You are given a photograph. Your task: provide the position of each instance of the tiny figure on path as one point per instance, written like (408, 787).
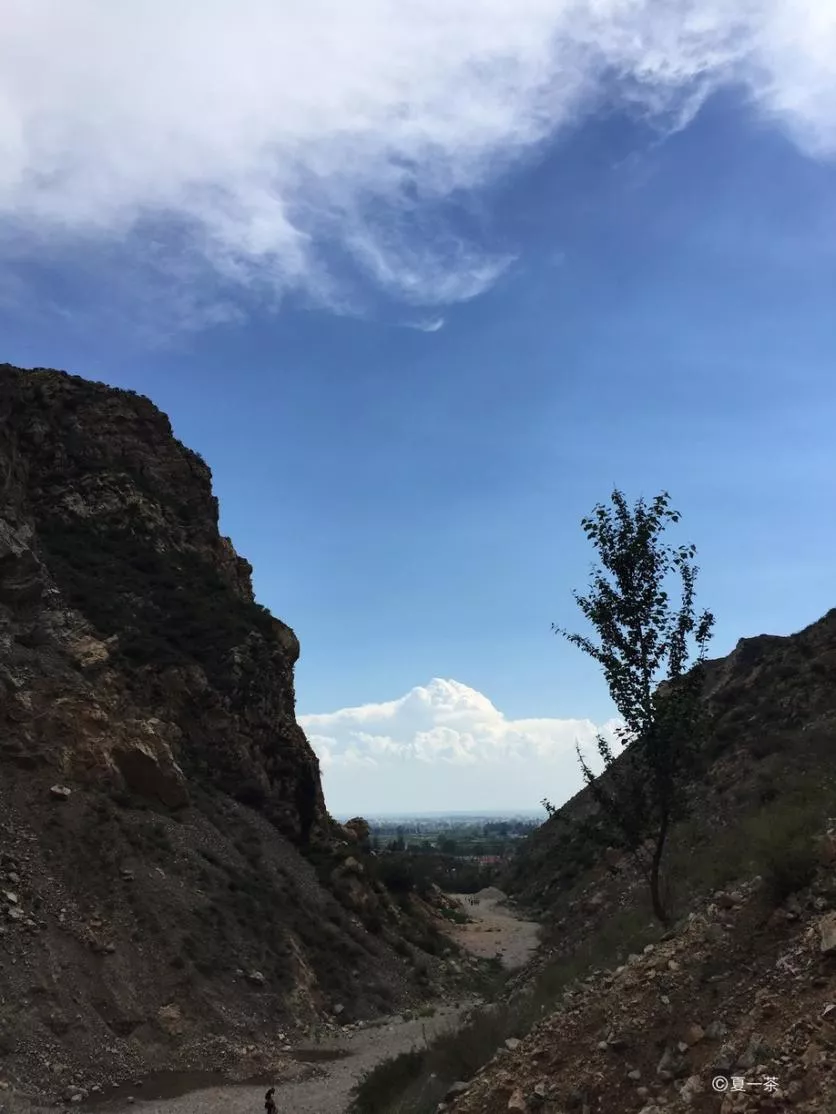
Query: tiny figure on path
(269, 1105)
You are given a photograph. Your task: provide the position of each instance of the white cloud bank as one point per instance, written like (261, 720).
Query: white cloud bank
(283, 133)
(445, 746)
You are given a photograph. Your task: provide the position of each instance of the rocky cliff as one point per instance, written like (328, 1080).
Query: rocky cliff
(163, 835)
(115, 574)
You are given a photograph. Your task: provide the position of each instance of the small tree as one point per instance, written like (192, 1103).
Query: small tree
(644, 645)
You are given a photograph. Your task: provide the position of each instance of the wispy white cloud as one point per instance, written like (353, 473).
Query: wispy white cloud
(445, 745)
(295, 141)
(427, 324)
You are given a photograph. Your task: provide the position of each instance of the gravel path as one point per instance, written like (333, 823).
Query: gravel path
(496, 930)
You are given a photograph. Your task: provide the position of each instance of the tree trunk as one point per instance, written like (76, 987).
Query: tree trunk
(655, 896)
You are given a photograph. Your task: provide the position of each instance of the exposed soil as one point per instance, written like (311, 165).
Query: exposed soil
(497, 931)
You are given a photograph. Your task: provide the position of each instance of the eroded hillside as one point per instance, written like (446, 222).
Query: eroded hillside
(172, 889)
(731, 1008)
(773, 708)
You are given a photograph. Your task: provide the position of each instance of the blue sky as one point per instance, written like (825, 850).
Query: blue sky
(417, 341)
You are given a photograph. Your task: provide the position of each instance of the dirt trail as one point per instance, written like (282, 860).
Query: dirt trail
(495, 930)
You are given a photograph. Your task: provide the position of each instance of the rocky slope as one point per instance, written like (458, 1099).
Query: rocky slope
(741, 988)
(172, 889)
(773, 704)
(727, 1013)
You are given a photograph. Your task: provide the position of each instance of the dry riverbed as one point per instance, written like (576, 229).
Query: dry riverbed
(496, 931)
(340, 1063)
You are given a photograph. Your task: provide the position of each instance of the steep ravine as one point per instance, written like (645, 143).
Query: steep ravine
(328, 1090)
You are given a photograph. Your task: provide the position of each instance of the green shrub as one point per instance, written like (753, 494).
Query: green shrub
(783, 848)
(456, 916)
(388, 1082)
(397, 873)
(415, 1081)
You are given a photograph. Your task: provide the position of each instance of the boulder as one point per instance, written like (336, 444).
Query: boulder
(359, 828)
(694, 1034)
(150, 777)
(827, 934)
(170, 1019)
(716, 1029)
(458, 1088)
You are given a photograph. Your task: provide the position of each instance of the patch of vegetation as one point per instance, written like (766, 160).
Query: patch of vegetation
(773, 838)
(455, 915)
(782, 841)
(395, 1080)
(455, 876)
(164, 607)
(767, 814)
(416, 1081)
(419, 871)
(626, 930)
(401, 873)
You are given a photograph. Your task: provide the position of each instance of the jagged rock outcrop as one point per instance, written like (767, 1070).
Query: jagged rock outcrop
(165, 850)
(112, 561)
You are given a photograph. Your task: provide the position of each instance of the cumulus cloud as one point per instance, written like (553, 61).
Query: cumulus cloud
(445, 745)
(293, 142)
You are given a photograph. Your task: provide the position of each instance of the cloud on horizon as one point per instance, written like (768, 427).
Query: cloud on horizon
(295, 145)
(444, 746)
